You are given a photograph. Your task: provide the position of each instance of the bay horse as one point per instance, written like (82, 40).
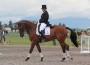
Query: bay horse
(58, 32)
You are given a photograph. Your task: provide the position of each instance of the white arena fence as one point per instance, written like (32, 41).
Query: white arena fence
(85, 44)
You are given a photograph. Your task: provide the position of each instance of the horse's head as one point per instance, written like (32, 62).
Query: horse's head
(21, 28)
(25, 25)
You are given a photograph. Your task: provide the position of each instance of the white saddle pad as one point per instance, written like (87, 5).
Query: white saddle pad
(47, 30)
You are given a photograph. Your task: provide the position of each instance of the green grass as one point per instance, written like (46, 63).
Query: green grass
(15, 39)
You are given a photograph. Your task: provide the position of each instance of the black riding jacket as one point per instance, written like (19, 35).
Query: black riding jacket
(44, 18)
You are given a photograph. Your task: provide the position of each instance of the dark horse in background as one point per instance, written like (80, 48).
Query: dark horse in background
(58, 32)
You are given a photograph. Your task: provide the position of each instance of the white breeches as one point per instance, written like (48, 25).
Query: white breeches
(42, 26)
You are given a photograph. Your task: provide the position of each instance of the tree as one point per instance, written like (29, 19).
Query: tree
(5, 25)
(15, 27)
(11, 25)
(0, 25)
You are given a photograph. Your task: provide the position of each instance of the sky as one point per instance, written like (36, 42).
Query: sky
(16, 10)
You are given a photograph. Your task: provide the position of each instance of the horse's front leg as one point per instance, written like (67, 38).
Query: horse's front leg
(39, 50)
(31, 49)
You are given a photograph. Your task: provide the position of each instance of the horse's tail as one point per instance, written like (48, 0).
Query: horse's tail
(73, 36)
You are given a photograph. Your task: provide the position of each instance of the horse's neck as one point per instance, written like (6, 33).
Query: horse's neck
(30, 28)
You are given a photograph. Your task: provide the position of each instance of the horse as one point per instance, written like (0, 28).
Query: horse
(58, 32)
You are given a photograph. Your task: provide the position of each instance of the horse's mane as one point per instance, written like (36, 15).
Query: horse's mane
(27, 21)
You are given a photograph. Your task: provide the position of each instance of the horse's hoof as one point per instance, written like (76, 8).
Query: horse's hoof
(27, 59)
(42, 59)
(62, 59)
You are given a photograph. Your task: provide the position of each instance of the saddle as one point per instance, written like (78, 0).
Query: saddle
(50, 26)
(46, 31)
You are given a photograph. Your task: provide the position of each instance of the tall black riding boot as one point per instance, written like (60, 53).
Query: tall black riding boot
(42, 36)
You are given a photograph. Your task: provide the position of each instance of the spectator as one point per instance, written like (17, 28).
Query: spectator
(83, 34)
(3, 35)
(54, 42)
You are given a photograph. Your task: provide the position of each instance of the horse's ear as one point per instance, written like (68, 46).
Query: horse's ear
(17, 23)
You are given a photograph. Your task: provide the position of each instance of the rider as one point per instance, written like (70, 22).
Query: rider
(43, 20)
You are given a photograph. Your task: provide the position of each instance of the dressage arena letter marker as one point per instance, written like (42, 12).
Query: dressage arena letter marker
(85, 44)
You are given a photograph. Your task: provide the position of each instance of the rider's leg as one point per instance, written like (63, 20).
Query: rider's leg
(42, 27)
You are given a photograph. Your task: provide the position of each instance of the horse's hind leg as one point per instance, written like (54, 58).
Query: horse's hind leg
(31, 49)
(67, 51)
(64, 50)
(39, 50)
